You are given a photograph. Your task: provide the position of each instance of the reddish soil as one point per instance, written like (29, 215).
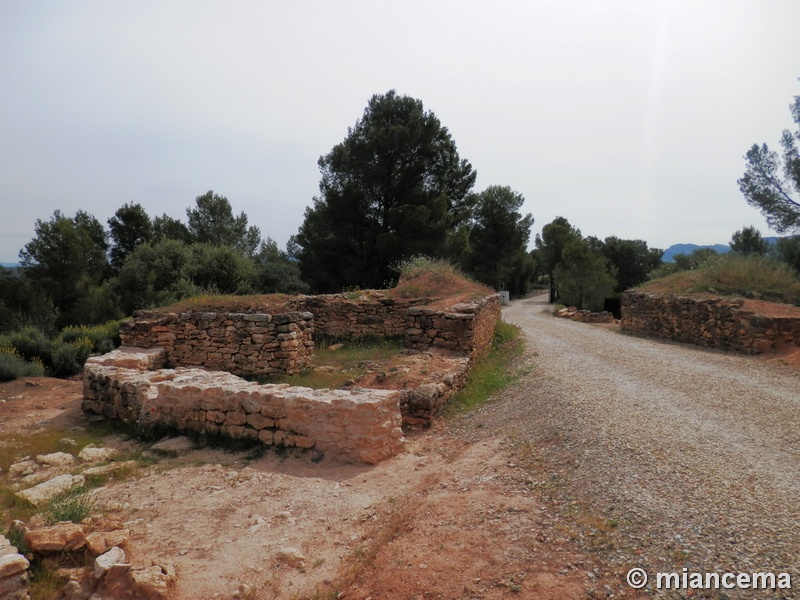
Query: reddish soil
(771, 309)
(449, 518)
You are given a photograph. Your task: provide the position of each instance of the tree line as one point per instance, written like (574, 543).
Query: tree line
(395, 187)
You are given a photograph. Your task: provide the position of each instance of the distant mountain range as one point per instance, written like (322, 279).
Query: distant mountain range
(9, 265)
(689, 248)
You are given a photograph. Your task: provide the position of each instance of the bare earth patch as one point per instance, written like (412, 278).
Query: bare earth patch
(447, 519)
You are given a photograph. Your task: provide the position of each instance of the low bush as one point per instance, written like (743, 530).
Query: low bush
(68, 358)
(31, 343)
(13, 366)
(104, 338)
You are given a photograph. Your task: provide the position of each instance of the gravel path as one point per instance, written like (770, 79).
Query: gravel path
(660, 455)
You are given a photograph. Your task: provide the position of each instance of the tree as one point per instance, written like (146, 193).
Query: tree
(499, 239)
(65, 259)
(276, 271)
(583, 278)
(154, 275)
(212, 222)
(129, 227)
(395, 187)
(772, 183)
(788, 250)
(549, 247)
(633, 260)
(169, 228)
(748, 240)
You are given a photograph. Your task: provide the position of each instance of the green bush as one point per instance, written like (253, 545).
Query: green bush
(104, 338)
(68, 358)
(31, 343)
(13, 366)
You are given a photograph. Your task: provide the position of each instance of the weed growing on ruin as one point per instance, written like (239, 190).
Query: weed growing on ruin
(45, 583)
(340, 360)
(734, 275)
(494, 372)
(73, 506)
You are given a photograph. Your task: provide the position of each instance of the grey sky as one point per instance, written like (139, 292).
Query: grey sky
(628, 117)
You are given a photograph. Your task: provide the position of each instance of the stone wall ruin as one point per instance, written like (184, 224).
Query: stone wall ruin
(712, 322)
(179, 369)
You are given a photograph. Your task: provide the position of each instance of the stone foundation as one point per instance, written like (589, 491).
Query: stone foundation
(356, 425)
(241, 343)
(262, 344)
(585, 316)
(14, 583)
(712, 322)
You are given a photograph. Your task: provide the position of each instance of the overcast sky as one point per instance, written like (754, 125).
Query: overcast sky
(627, 117)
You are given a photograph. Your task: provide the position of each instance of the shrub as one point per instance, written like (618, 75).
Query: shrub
(68, 358)
(31, 343)
(13, 366)
(104, 338)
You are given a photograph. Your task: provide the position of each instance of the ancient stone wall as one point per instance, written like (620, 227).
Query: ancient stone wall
(355, 425)
(585, 316)
(374, 315)
(260, 343)
(467, 327)
(14, 584)
(240, 343)
(712, 322)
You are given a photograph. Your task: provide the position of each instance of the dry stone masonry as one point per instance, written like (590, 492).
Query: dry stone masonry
(241, 343)
(712, 322)
(13, 572)
(362, 425)
(357, 425)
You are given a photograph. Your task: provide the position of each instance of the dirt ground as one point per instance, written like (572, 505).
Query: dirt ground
(449, 518)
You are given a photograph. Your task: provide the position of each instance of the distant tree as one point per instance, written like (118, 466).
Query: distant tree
(633, 260)
(276, 271)
(395, 187)
(169, 228)
(212, 222)
(584, 279)
(129, 227)
(748, 240)
(65, 260)
(220, 269)
(154, 275)
(499, 240)
(549, 247)
(772, 183)
(788, 250)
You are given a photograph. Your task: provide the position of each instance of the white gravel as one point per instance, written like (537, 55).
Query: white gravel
(694, 454)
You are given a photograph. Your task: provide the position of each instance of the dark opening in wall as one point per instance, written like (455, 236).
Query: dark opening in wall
(614, 306)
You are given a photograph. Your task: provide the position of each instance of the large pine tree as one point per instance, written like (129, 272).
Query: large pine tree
(395, 187)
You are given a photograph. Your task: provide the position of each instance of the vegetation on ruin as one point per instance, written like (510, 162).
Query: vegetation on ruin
(436, 279)
(746, 276)
(338, 361)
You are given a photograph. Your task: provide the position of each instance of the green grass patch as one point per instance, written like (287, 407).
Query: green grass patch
(494, 372)
(339, 360)
(13, 507)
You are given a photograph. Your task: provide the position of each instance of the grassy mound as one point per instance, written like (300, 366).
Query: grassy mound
(424, 277)
(737, 276)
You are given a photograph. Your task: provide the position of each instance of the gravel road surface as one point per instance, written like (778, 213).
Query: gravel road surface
(659, 455)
